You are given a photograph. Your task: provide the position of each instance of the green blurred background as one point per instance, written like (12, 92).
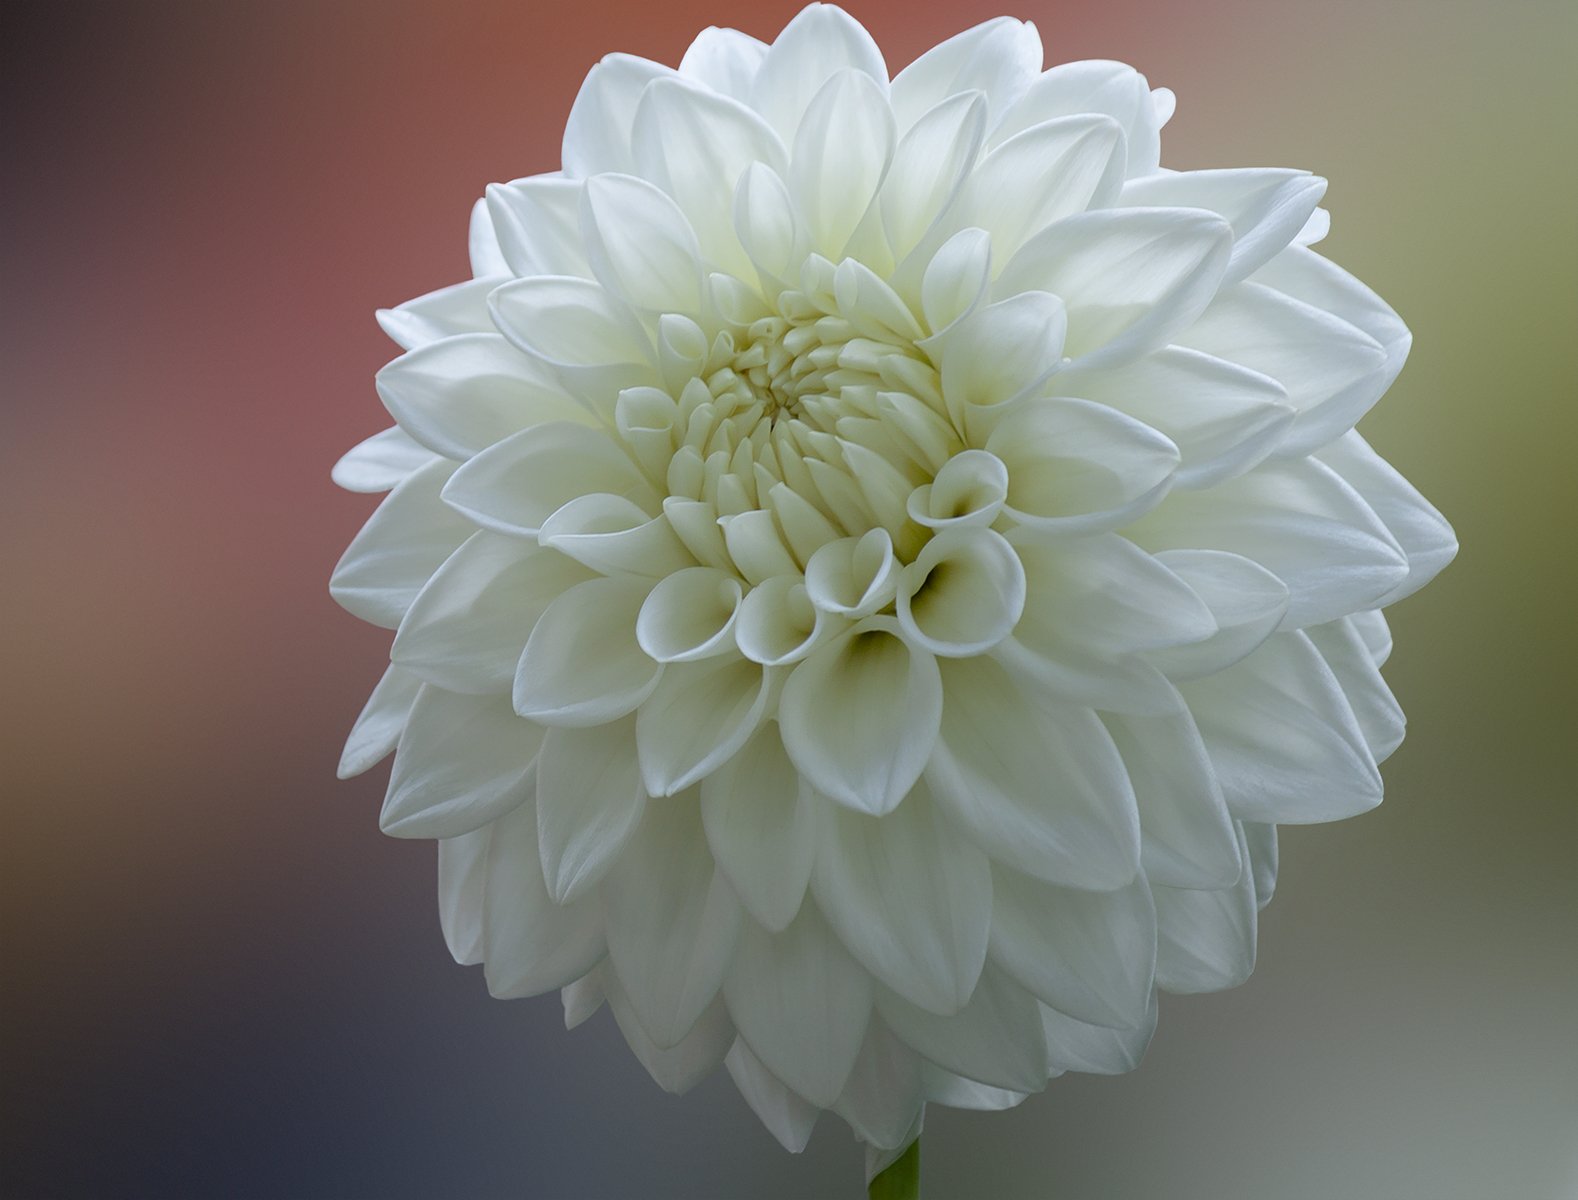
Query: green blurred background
(220, 981)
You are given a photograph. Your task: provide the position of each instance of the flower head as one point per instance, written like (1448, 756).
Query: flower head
(873, 561)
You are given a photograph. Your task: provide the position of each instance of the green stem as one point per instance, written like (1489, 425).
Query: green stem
(900, 1180)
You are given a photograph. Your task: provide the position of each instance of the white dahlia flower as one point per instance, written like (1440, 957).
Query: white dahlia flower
(873, 562)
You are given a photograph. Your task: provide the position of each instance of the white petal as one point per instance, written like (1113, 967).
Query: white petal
(1376, 710)
(1049, 663)
(538, 224)
(1130, 278)
(840, 156)
(377, 729)
(1048, 172)
(1421, 531)
(672, 921)
(725, 60)
(1283, 738)
(1108, 595)
(640, 244)
(759, 817)
(588, 335)
(969, 491)
(1376, 633)
(532, 945)
(467, 627)
(963, 594)
(1266, 206)
(1088, 954)
(462, 883)
(778, 624)
(1307, 276)
(1075, 467)
(1002, 352)
(677, 1068)
(956, 278)
(1078, 1046)
(1333, 371)
(583, 998)
(582, 664)
(944, 1087)
(515, 486)
(1094, 86)
(1186, 834)
(769, 228)
(459, 308)
(998, 57)
(460, 395)
(886, 1090)
(698, 716)
(930, 163)
(853, 577)
(1223, 418)
(482, 243)
(787, 1117)
(996, 1038)
(1038, 787)
(860, 714)
(462, 761)
(589, 803)
(821, 40)
(407, 538)
(756, 547)
(690, 615)
(880, 1158)
(801, 1004)
(1247, 603)
(615, 536)
(597, 134)
(381, 462)
(1300, 521)
(1260, 843)
(695, 145)
(909, 897)
(1205, 939)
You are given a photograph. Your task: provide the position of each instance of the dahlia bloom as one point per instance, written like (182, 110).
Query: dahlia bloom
(873, 561)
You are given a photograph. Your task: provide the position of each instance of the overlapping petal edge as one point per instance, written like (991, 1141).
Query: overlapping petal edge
(872, 564)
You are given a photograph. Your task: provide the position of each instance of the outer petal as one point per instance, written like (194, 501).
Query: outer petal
(537, 221)
(382, 719)
(582, 665)
(1037, 787)
(672, 921)
(462, 761)
(1206, 939)
(995, 1039)
(1299, 520)
(467, 627)
(1376, 710)
(640, 244)
(699, 715)
(462, 884)
(532, 945)
(787, 1117)
(1283, 738)
(1077, 1046)
(406, 539)
(589, 803)
(820, 41)
(1131, 278)
(725, 60)
(886, 1091)
(998, 57)
(1421, 531)
(680, 1067)
(381, 462)
(911, 900)
(459, 308)
(598, 132)
(760, 820)
(801, 1004)
(1088, 954)
(1093, 86)
(1266, 206)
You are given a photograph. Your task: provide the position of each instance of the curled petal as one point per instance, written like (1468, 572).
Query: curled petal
(963, 594)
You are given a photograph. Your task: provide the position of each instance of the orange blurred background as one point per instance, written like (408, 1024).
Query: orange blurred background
(221, 980)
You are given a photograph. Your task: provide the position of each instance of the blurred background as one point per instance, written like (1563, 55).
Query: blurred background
(220, 980)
